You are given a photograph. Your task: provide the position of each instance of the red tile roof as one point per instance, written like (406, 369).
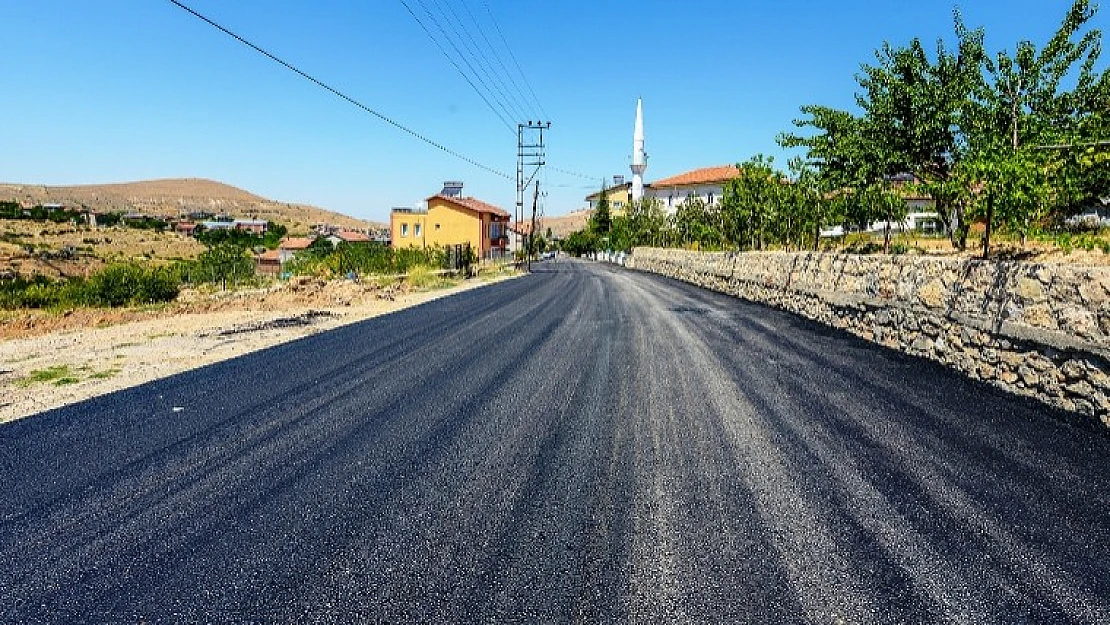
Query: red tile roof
(473, 204)
(705, 175)
(270, 256)
(351, 236)
(295, 243)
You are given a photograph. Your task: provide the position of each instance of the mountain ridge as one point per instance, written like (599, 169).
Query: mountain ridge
(177, 196)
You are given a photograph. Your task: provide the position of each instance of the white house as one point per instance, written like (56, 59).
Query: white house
(707, 183)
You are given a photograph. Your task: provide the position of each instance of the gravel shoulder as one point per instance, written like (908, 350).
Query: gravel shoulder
(75, 359)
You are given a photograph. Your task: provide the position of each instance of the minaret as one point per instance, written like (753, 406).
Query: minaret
(639, 158)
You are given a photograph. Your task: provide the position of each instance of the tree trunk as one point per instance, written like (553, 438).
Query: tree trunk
(959, 228)
(886, 233)
(987, 232)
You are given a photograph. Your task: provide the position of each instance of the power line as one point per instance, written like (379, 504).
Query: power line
(516, 92)
(572, 173)
(513, 57)
(452, 60)
(455, 22)
(340, 94)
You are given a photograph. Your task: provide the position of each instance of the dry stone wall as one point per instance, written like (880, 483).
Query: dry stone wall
(1036, 330)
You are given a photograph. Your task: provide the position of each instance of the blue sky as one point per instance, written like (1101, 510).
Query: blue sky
(125, 90)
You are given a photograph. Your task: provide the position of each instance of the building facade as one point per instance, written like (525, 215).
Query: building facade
(620, 196)
(707, 184)
(452, 220)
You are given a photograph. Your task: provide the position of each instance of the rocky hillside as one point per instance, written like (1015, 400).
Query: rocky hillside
(566, 224)
(182, 195)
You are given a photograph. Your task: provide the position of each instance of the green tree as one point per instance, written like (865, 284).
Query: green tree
(581, 242)
(913, 108)
(1022, 107)
(697, 222)
(646, 221)
(601, 221)
(751, 202)
(223, 262)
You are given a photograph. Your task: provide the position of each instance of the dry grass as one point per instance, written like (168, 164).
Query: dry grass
(94, 246)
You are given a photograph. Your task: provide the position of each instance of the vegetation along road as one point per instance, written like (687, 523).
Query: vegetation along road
(582, 444)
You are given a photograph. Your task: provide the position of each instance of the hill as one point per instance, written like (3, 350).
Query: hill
(566, 224)
(178, 196)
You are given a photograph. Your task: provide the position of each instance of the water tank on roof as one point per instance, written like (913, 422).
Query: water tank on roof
(452, 188)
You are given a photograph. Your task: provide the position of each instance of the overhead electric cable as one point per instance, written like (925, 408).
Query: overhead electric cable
(513, 57)
(480, 62)
(516, 92)
(453, 63)
(571, 173)
(340, 94)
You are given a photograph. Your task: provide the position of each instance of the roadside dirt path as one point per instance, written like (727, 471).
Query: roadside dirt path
(57, 360)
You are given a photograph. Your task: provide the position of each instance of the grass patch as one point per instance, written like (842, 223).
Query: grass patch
(425, 277)
(104, 375)
(58, 374)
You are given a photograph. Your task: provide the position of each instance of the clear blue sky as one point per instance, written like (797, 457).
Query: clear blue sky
(125, 90)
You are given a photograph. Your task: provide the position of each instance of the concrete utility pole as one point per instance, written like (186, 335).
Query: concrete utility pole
(528, 155)
(532, 230)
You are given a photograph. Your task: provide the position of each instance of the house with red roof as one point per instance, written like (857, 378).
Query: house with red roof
(289, 246)
(348, 236)
(452, 219)
(707, 183)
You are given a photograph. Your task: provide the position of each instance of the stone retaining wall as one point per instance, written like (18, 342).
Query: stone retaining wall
(1036, 330)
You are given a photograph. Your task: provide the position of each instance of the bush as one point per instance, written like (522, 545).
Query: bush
(38, 292)
(422, 276)
(130, 284)
(113, 286)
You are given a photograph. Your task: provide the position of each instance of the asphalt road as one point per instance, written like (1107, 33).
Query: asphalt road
(584, 444)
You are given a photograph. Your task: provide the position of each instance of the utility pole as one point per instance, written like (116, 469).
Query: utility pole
(532, 230)
(528, 155)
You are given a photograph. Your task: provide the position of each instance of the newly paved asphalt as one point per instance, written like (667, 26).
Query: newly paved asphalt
(584, 444)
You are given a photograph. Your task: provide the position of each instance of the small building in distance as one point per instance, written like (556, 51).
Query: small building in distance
(452, 219)
(348, 236)
(619, 195)
(289, 246)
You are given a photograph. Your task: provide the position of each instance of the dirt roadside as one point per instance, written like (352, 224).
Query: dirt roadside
(49, 361)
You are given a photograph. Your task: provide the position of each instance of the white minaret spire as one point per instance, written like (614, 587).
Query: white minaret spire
(639, 158)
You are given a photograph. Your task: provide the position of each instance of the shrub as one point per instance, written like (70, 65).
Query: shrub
(124, 284)
(422, 276)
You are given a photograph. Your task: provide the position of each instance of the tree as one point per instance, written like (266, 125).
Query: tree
(751, 202)
(646, 221)
(913, 109)
(697, 222)
(812, 205)
(601, 221)
(580, 242)
(1020, 109)
(225, 260)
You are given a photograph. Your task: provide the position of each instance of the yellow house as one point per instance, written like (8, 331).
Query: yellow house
(452, 220)
(620, 196)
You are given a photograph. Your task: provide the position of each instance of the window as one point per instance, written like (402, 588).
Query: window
(404, 230)
(710, 199)
(437, 226)
(416, 230)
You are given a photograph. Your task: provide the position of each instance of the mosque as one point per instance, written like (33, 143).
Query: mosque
(706, 183)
